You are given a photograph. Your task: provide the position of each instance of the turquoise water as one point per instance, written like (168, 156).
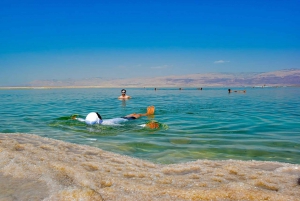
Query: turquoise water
(263, 124)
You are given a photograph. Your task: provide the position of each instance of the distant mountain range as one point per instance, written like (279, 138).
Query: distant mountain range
(287, 77)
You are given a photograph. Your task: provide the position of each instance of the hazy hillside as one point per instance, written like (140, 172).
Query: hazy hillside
(288, 77)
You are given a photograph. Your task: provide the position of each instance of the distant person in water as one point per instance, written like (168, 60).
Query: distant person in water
(123, 95)
(95, 118)
(237, 91)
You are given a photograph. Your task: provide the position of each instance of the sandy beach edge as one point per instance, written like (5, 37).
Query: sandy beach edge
(31, 164)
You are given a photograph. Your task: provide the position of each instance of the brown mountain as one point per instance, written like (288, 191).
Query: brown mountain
(287, 77)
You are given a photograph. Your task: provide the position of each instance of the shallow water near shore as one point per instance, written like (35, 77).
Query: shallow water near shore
(261, 124)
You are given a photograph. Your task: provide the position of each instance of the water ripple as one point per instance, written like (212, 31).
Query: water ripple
(262, 124)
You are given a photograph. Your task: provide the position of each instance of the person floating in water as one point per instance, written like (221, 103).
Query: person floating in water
(123, 95)
(95, 118)
(237, 91)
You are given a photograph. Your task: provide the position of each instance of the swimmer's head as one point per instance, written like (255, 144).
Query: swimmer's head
(99, 116)
(123, 91)
(93, 118)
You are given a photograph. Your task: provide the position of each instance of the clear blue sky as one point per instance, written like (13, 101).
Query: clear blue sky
(135, 38)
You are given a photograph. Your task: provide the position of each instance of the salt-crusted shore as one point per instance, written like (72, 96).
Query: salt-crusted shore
(36, 168)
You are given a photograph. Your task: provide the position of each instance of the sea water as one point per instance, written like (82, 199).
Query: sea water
(261, 124)
(210, 145)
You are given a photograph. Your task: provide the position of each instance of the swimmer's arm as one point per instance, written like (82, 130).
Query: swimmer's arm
(80, 119)
(74, 117)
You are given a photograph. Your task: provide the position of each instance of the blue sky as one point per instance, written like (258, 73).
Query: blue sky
(120, 39)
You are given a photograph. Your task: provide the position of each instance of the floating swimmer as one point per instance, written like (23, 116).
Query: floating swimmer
(237, 91)
(95, 118)
(123, 95)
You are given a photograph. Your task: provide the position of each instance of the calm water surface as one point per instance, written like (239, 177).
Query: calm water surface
(263, 124)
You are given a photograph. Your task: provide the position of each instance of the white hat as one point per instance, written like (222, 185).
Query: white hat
(93, 118)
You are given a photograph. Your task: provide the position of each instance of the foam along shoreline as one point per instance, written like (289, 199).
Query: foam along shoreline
(37, 168)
